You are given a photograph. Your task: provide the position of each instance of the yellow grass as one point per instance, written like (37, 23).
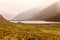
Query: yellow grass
(30, 32)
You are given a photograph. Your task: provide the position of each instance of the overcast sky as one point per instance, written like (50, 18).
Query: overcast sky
(11, 8)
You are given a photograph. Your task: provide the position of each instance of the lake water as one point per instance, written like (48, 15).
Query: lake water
(36, 22)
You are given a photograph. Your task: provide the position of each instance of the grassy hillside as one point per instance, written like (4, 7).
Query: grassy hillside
(20, 31)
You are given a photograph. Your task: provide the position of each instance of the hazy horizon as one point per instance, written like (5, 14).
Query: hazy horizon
(11, 8)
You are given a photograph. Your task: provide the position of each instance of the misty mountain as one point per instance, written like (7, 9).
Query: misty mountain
(49, 13)
(27, 14)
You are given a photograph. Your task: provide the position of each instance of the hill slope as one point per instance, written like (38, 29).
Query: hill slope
(37, 15)
(4, 22)
(47, 14)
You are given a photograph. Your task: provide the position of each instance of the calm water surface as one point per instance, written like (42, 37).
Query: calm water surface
(36, 22)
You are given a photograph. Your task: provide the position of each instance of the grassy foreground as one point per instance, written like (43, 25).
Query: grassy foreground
(21, 31)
